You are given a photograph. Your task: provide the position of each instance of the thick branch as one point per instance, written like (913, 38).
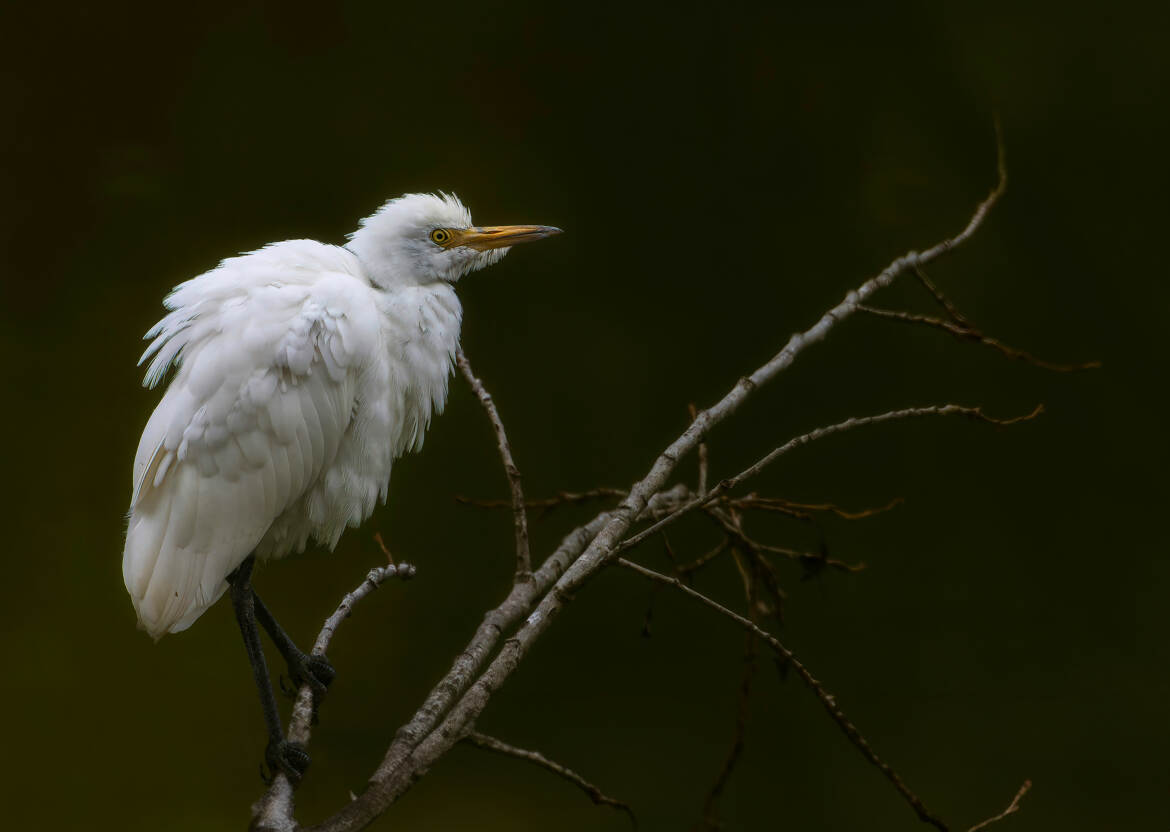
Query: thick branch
(519, 514)
(458, 679)
(595, 794)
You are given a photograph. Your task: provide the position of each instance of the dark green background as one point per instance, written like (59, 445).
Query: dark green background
(724, 173)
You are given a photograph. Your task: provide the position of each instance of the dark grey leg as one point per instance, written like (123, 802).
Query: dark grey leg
(303, 668)
(280, 754)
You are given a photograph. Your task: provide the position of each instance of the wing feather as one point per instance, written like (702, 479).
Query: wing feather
(269, 347)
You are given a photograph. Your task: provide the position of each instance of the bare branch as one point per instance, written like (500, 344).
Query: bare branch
(739, 737)
(726, 485)
(967, 332)
(981, 210)
(670, 556)
(384, 788)
(376, 577)
(808, 558)
(1012, 808)
(562, 498)
(737, 534)
(703, 462)
(941, 299)
(455, 704)
(702, 560)
(519, 515)
(595, 794)
(827, 699)
(801, 510)
(274, 811)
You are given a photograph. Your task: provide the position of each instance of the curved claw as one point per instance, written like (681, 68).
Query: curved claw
(315, 671)
(289, 758)
(322, 669)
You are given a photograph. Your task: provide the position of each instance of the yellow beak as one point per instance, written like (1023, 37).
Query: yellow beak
(484, 237)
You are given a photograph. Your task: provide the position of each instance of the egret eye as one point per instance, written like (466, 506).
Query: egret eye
(440, 236)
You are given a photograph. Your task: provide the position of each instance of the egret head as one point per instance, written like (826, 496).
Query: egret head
(423, 238)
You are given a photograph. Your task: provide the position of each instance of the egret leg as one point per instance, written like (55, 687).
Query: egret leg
(281, 755)
(303, 668)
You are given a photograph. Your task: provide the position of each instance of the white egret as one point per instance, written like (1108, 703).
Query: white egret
(302, 371)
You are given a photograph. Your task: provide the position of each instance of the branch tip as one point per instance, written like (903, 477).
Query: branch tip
(964, 330)
(599, 798)
(1011, 809)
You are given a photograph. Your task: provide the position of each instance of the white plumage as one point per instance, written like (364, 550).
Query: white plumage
(303, 371)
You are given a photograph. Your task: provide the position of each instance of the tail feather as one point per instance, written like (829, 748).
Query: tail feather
(174, 566)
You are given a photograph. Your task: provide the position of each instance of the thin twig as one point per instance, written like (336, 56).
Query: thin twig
(595, 794)
(757, 569)
(1012, 808)
(675, 567)
(519, 515)
(726, 485)
(802, 510)
(940, 298)
(739, 737)
(703, 462)
(562, 498)
(966, 332)
(686, 569)
(374, 579)
(745, 568)
(964, 329)
(809, 558)
(736, 532)
(827, 699)
(382, 546)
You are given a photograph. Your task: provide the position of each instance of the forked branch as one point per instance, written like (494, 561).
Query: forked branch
(274, 811)
(728, 484)
(536, 598)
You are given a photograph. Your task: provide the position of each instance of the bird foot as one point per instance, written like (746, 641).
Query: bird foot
(311, 670)
(284, 757)
(314, 671)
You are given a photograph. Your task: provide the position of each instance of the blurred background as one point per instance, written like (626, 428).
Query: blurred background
(724, 173)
